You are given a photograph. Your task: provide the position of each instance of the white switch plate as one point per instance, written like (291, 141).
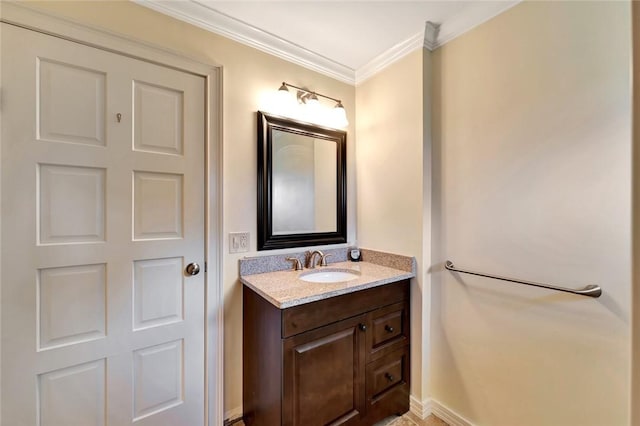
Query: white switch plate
(238, 242)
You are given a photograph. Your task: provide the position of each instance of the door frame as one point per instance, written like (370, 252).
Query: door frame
(23, 15)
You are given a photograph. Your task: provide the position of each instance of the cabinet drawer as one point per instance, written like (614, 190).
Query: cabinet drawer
(389, 329)
(386, 374)
(299, 319)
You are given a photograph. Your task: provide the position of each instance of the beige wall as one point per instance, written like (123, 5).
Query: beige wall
(248, 77)
(390, 179)
(532, 155)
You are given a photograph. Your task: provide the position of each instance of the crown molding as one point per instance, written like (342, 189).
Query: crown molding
(388, 57)
(427, 39)
(431, 32)
(432, 37)
(435, 35)
(476, 13)
(200, 15)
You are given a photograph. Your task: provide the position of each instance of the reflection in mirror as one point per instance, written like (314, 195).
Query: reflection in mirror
(301, 184)
(304, 184)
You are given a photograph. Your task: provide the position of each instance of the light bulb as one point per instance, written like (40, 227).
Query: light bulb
(339, 116)
(313, 109)
(283, 101)
(312, 101)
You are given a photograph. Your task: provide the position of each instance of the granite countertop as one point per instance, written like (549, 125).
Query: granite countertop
(285, 289)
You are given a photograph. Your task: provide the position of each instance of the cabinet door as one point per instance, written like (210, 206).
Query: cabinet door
(324, 375)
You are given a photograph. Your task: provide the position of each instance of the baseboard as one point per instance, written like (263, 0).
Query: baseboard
(232, 414)
(448, 415)
(422, 410)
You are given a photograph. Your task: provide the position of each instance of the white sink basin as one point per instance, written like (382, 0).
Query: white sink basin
(329, 276)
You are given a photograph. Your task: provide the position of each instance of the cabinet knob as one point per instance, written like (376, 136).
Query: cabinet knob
(388, 328)
(362, 327)
(389, 377)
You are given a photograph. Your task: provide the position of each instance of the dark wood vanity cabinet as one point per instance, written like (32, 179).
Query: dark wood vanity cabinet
(338, 361)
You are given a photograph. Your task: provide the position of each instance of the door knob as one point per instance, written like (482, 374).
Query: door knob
(389, 328)
(192, 269)
(362, 327)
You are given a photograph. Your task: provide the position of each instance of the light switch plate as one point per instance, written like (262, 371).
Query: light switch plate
(238, 242)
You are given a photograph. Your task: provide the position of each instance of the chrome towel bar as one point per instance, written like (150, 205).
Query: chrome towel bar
(590, 291)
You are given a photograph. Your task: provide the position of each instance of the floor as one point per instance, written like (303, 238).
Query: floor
(406, 420)
(411, 420)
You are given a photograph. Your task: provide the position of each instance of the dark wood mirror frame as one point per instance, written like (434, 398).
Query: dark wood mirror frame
(267, 123)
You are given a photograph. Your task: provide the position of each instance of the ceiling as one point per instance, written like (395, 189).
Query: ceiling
(348, 40)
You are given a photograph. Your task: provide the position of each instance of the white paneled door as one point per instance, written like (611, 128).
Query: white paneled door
(103, 206)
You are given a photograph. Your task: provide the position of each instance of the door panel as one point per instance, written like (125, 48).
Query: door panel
(73, 396)
(102, 208)
(157, 205)
(150, 135)
(75, 116)
(154, 392)
(72, 305)
(72, 204)
(158, 295)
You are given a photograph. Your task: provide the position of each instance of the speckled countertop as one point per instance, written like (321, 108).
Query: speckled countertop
(285, 289)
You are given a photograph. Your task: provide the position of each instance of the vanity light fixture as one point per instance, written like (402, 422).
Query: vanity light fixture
(340, 114)
(308, 98)
(308, 107)
(283, 92)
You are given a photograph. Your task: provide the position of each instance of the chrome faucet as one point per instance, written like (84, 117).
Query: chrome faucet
(310, 258)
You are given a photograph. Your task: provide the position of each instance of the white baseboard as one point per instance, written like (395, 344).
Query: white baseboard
(234, 413)
(448, 415)
(422, 410)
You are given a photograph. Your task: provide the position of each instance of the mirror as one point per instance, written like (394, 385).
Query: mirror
(302, 198)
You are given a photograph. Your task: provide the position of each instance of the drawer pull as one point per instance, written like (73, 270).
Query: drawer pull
(389, 377)
(362, 327)
(389, 328)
